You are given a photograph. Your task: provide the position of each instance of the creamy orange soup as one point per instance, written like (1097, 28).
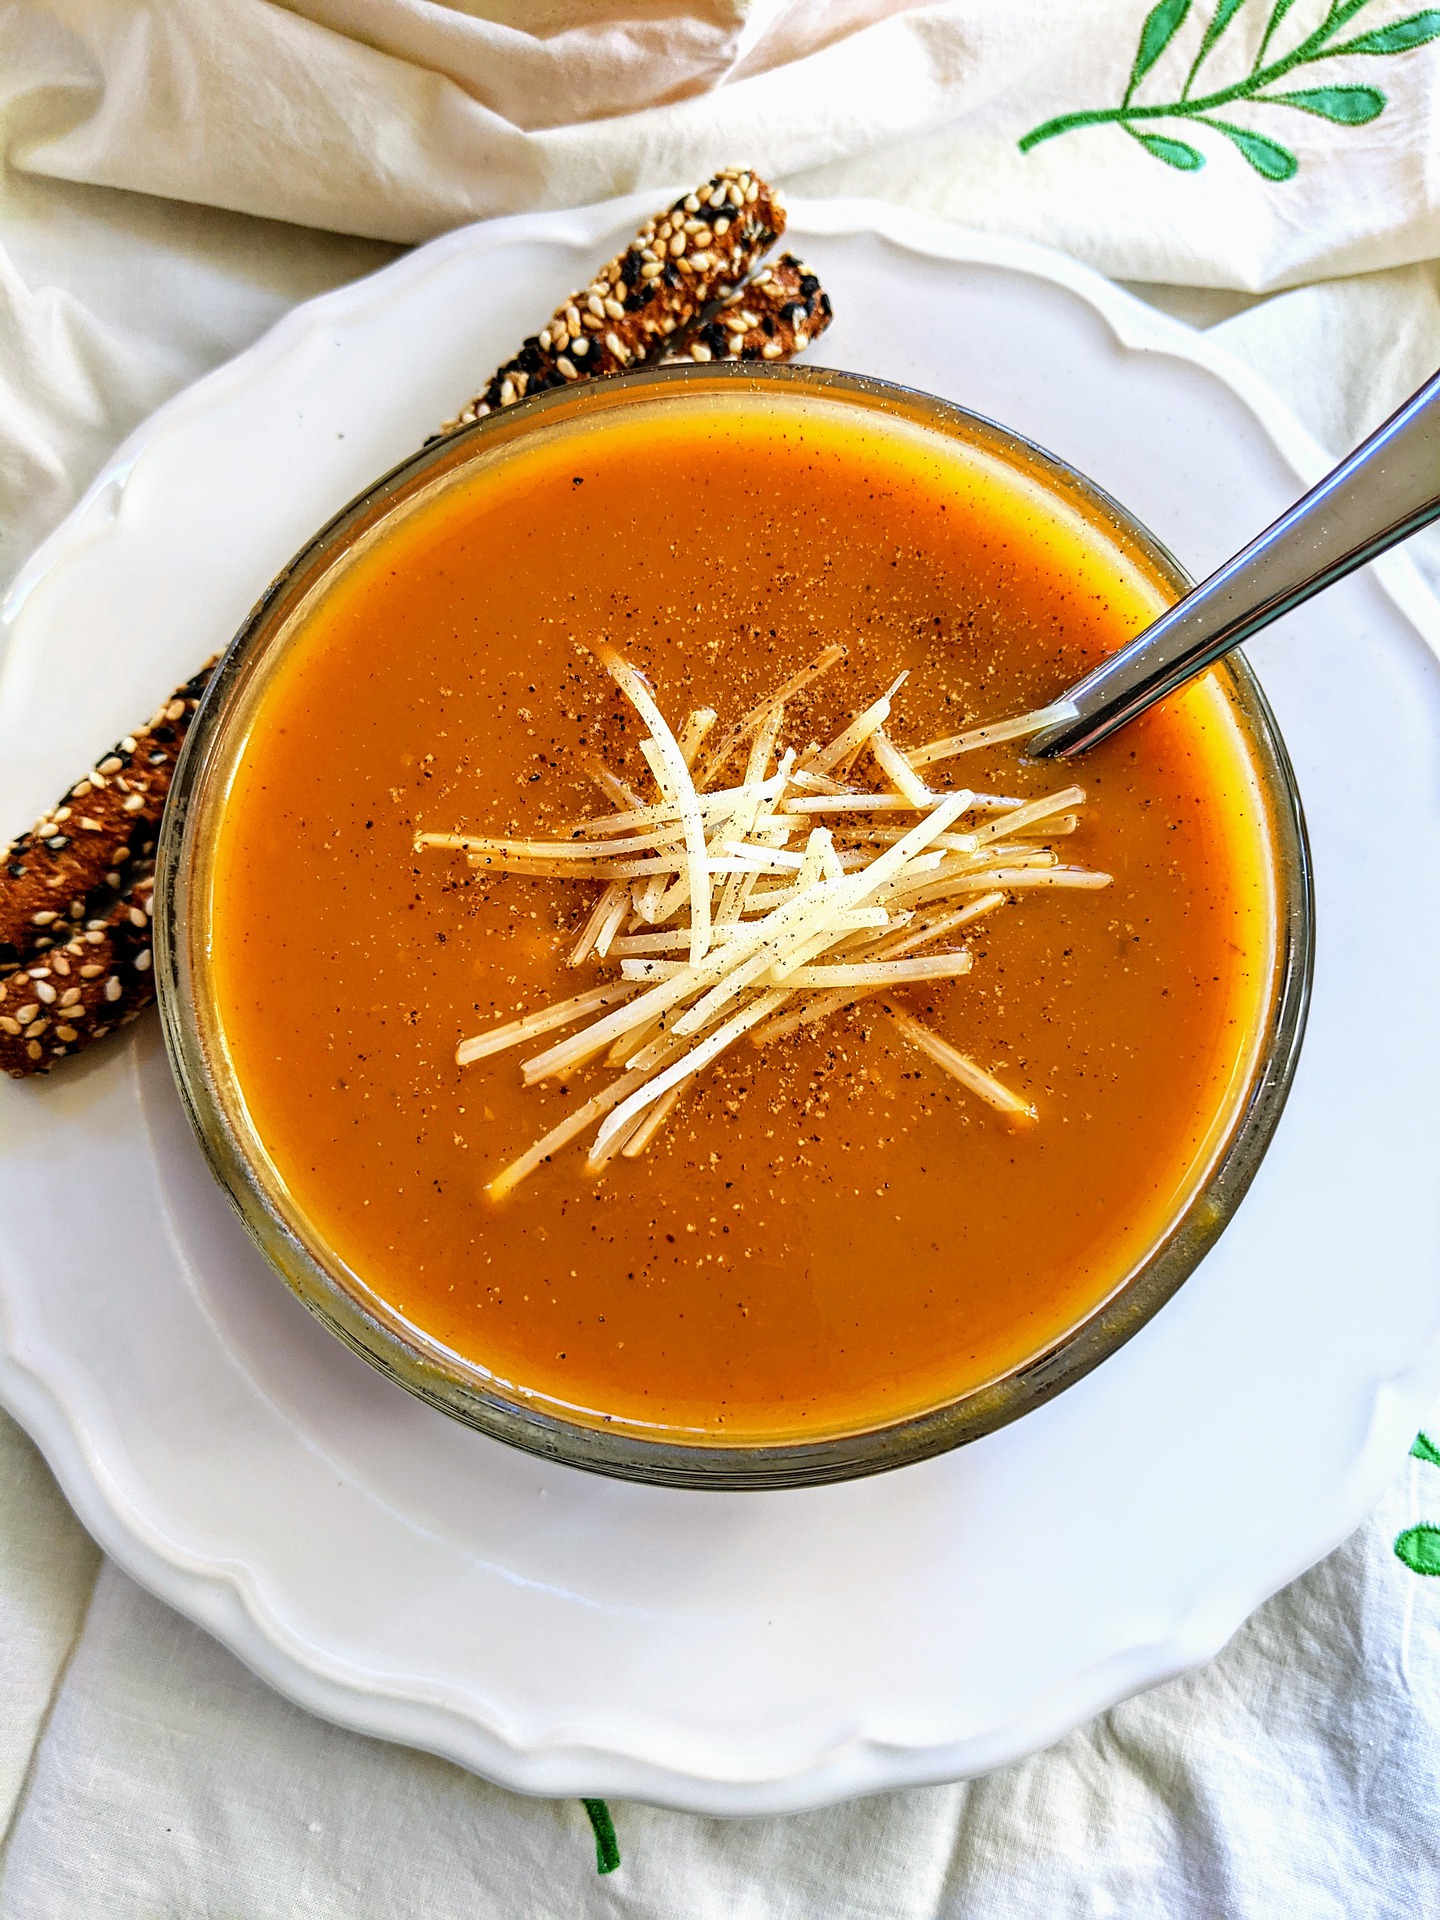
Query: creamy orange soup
(829, 1233)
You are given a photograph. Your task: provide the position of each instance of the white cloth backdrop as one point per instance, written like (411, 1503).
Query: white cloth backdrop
(180, 173)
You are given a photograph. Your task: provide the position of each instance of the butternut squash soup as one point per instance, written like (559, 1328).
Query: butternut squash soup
(651, 964)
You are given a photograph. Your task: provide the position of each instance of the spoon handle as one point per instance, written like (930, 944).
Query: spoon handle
(1388, 488)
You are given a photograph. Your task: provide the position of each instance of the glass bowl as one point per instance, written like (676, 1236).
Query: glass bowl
(341, 1297)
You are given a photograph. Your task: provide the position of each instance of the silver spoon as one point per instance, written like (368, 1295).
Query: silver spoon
(1387, 489)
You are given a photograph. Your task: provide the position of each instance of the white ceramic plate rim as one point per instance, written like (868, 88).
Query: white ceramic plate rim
(48, 1399)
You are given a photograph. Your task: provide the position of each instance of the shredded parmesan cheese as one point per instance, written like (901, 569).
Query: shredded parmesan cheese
(777, 902)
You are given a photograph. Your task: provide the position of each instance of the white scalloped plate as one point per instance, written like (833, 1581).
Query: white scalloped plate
(739, 1653)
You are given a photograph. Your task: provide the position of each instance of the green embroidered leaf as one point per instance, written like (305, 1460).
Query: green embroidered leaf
(1282, 7)
(1399, 38)
(1224, 14)
(1349, 106)
(1426, 1450)
(607, 1847)
(1265, 156)
(1419, 1548)
(1162, 23)
(1175, 153)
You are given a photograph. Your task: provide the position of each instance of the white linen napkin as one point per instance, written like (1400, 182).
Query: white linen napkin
(177, 177)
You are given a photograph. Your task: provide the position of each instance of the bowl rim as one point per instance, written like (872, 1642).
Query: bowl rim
(422, 1365)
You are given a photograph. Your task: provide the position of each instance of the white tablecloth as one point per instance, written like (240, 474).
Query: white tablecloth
(178, 176)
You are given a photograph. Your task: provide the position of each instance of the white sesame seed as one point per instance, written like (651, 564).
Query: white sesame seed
(66, 1034)
(772, 350)
(70, 997)
(92, 972)
(596, 305)
(618, 348)
(677, 245)
(699, 351)
(175, 710)
(134, 802)
(62, 965)
(581, 347)
(614, 309)
(652, 270)
(45, 992)
(7, 1025)
(508, 395)
(722, 226)
(27, 1014)
(33, 1049)
(127, 745)
(43, 918)
(568, 368)
(113, 988)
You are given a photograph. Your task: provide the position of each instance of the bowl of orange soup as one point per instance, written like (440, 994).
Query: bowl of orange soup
(626, 973)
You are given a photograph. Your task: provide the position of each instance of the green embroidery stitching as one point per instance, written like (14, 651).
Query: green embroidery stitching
(1345, 106)
(607, 1847)
(1419, 1547)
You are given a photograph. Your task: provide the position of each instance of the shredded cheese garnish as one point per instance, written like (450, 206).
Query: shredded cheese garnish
(776, 902)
